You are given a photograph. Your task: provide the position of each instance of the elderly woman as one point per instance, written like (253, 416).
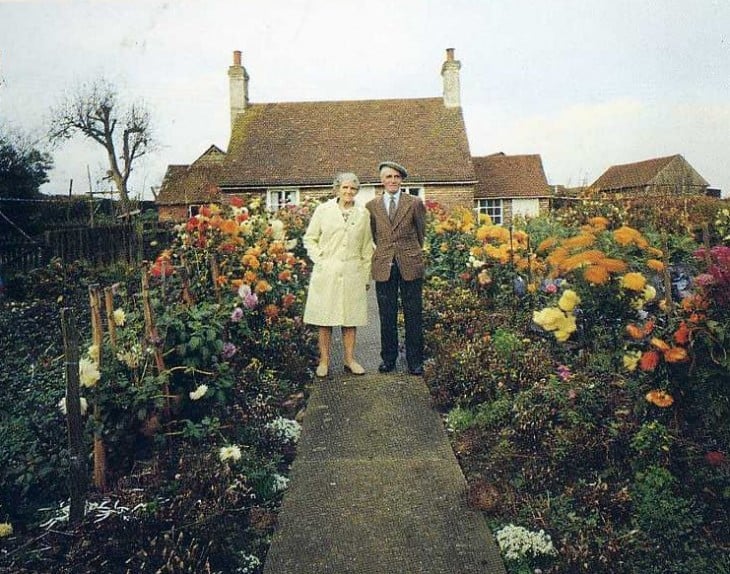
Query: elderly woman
(339, 242)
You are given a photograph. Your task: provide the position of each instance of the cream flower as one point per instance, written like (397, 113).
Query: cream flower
(119, 317)
(6, 529)
(89, 373)
(199, 393)
(231, 452)
(93, 353)
(649, 293)
(631, 360)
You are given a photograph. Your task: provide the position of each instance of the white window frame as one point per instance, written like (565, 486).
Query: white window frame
(415, 190)
(494, 208)
(278, 197)
(193, 209)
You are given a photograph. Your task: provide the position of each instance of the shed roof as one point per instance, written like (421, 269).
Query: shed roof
(510, 176)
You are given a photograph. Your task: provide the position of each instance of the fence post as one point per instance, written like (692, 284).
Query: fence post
(668, 301)
(152, 335)
(109, 307)
(97, 336)
(77, 461)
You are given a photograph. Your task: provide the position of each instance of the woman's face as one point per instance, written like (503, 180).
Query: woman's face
(347, 192)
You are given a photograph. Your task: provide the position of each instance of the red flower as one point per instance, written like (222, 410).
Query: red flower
(288, 300)
(236, 201)
(715, 458)
(649, 360)
(681, 335)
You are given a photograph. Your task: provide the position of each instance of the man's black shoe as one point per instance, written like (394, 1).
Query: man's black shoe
(417, 370)
(386, 367)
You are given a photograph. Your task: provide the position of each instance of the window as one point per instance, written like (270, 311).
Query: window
(193, 210)
(490, 207)
(413, 190)
(278, 198)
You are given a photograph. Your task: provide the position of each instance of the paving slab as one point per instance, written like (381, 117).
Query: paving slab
(375, 486)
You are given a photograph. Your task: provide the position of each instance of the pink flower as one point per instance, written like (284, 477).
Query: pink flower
(250, 299)
(237, 315)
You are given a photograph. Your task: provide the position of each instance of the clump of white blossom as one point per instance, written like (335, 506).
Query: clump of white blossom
(89, 373)
(230, 452)
(131, 357)
(119, 317)
(249, 563)
(280, 482)
(198, 393)
(288, 429)
(518, 543)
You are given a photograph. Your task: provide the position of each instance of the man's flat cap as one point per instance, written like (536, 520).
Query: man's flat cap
(396, 166)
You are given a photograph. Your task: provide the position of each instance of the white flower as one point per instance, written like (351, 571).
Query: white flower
(89, 373)
(6, 529)
(517, 542)
(199, 393)
(277, 229)
(93, 353)
(649, 293)
(83, 401)
(280, 483)
(249, 563)
(130, 357)
(231, 452)
(119, 317)
(288, 429)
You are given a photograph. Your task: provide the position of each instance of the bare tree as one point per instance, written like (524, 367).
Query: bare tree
(95, 112)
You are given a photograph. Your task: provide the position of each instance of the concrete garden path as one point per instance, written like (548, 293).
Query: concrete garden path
(375, 487)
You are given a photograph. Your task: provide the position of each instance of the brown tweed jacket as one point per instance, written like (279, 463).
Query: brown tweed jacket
(401, 240)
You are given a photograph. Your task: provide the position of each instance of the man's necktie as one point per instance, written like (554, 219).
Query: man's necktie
(391, 208)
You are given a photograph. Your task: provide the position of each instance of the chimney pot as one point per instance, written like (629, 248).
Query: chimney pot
(237, 57)
(449, 54)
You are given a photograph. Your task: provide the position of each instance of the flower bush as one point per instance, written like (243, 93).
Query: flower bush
(591, 405)
(192, 393)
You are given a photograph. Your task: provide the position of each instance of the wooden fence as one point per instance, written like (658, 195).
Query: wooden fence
(97, 245)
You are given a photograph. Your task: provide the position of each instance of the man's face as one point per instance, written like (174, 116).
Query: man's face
(391, 179)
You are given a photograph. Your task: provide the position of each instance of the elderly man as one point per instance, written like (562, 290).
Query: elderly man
(398, 222)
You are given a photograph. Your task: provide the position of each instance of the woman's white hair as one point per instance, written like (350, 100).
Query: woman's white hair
(342, 177)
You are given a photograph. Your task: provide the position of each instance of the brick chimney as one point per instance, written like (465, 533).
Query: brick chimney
(452, 85)
(238, 86)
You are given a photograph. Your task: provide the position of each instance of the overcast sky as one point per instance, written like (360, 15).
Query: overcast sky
(586, 83)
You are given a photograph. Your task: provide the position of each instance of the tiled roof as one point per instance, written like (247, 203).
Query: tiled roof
(510, 176)
(185, 184)
(649, 172)
(307, 143)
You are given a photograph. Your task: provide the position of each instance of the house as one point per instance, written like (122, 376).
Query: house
(290, 151)
(510, 185)
(671, 175)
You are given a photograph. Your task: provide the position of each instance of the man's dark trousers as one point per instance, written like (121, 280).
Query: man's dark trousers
(411, 296)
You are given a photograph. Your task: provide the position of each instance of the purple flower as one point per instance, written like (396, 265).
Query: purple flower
(250, 299)
(564, 372)
(229, 349)
(237, 315)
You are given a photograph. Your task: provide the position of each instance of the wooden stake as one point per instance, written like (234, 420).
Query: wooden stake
(153, 336)
(111, 325)
(215, 273)
(77, 482)
(97, 338)
(668, 301)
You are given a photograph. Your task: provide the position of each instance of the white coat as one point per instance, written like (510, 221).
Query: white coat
(341, 252)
